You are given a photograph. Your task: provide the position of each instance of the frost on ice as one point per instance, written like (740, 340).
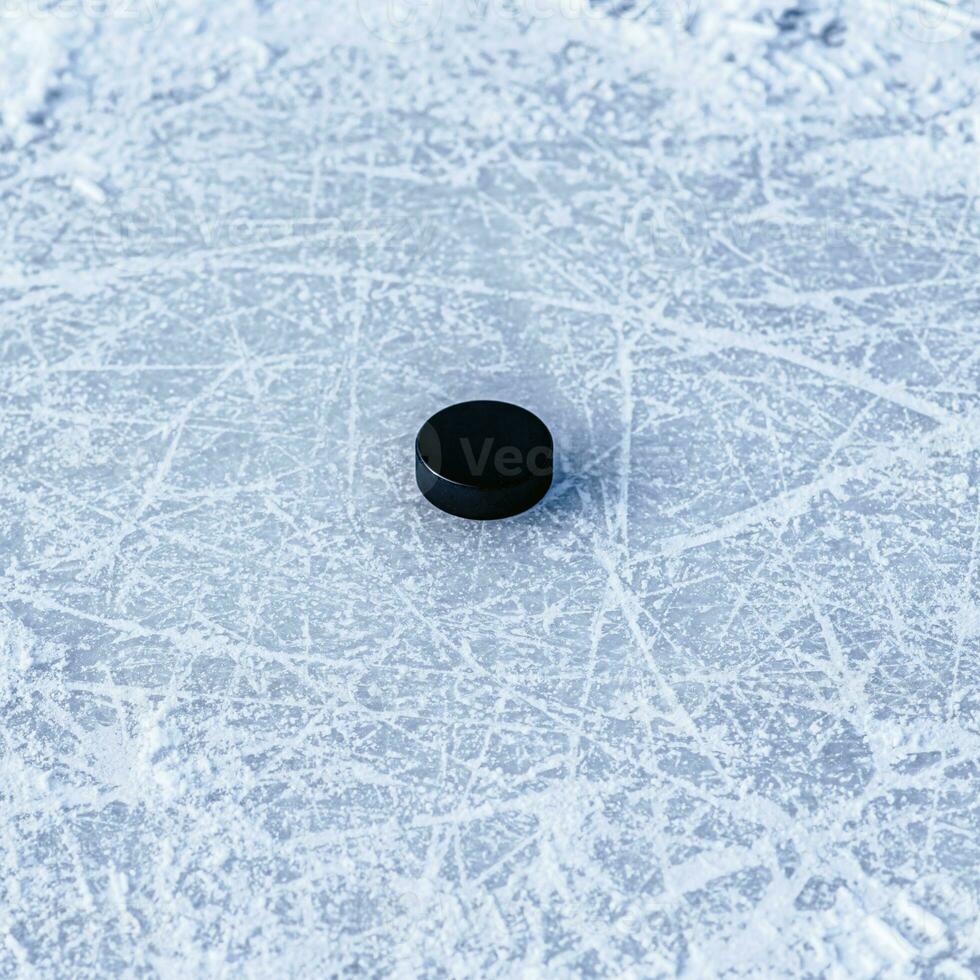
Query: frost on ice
(711, 709)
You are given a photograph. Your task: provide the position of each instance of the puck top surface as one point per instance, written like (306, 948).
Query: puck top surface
(484, 459)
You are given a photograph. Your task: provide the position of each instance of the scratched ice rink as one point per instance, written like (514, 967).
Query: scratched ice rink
(711, 710)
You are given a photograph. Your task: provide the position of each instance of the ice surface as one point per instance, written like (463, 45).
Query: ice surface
(711, 709)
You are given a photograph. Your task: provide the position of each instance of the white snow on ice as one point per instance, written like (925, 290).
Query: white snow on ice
(711, 709)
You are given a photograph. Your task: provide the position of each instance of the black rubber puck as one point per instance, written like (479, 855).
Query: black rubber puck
(484, 460)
